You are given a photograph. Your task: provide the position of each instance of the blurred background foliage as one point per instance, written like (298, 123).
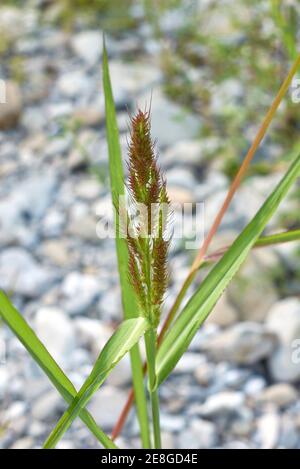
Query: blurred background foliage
(216, 60)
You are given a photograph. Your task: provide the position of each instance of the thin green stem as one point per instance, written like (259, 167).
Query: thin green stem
(140, 396)
(150, 341)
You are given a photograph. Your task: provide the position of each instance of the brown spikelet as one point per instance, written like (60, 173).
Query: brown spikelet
(148, 250)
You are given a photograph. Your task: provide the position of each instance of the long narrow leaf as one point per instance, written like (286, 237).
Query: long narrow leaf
(40, 354)
(128, 298)
(123, 339)
(263, 241)
(278, 238)
(202, 302)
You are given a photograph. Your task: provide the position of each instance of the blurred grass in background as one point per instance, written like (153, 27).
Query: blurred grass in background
(223, 63)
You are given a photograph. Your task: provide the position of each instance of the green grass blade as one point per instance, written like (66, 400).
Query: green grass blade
(278, 238)
(128, 298)
(123, 339)
(204, 299)
(40, 354)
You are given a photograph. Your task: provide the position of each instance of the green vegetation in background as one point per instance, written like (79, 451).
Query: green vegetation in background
(110, 15)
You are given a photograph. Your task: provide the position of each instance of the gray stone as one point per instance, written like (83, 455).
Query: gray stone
(16, 410)
(92, 333)
(200, 434)
(281, 394)
(181, 177)
(10, 105)
(88, 189)
(20, 273)
(121, 374)
(106, 406)
(129, 79)
(204, 374)
(253, 292)
(73, 84)
(79, 292)
(172, 423)
(268, 430)
(243, 423)
(189, 362)
(57, 332)
(12, 22)
(180, 195)
(47, 406)
(289, 436)
(244, 343)
(182, 153)
(284, 320)
(170, 123)
(23, 443)
(83, 224)
(89, 115)
(53, 223)
(18, 213)
(87, 45)
(4, 375)
(222, 404)
(254, 385)
(110, 305)
(224, 313)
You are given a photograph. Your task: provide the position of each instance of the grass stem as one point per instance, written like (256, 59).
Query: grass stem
(150, 342)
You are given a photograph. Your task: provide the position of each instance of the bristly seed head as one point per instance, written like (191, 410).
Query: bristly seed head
(148, 249)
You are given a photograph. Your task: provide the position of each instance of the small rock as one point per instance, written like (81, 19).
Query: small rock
(4, 375)
(47, 406)
(281, 395)
(79, 291)
(268, 429)
(73, 84)
(23, 443)
(15, 411)
(204, 374)
(201, 434)
(222, 404)
(170, 123)
(10, 105)
(189, 362)
(66, 444)
(110, 306)
(57, 332)
(89, 116)
(179, 195)
(284, 320)
(83, 225)
(92, 334)
(254, 385)
(184, 152)
(56, 250)
(167, 440)
(87, 45)
(121, 374)
(128, 79)
(244, 343)
(289, 436)
(172, 423)
(181, 177)
(88, 189)
(243, 423)
(20, 273)
(19, 213)
(106, 406)
(224, 314)
(253, 293)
